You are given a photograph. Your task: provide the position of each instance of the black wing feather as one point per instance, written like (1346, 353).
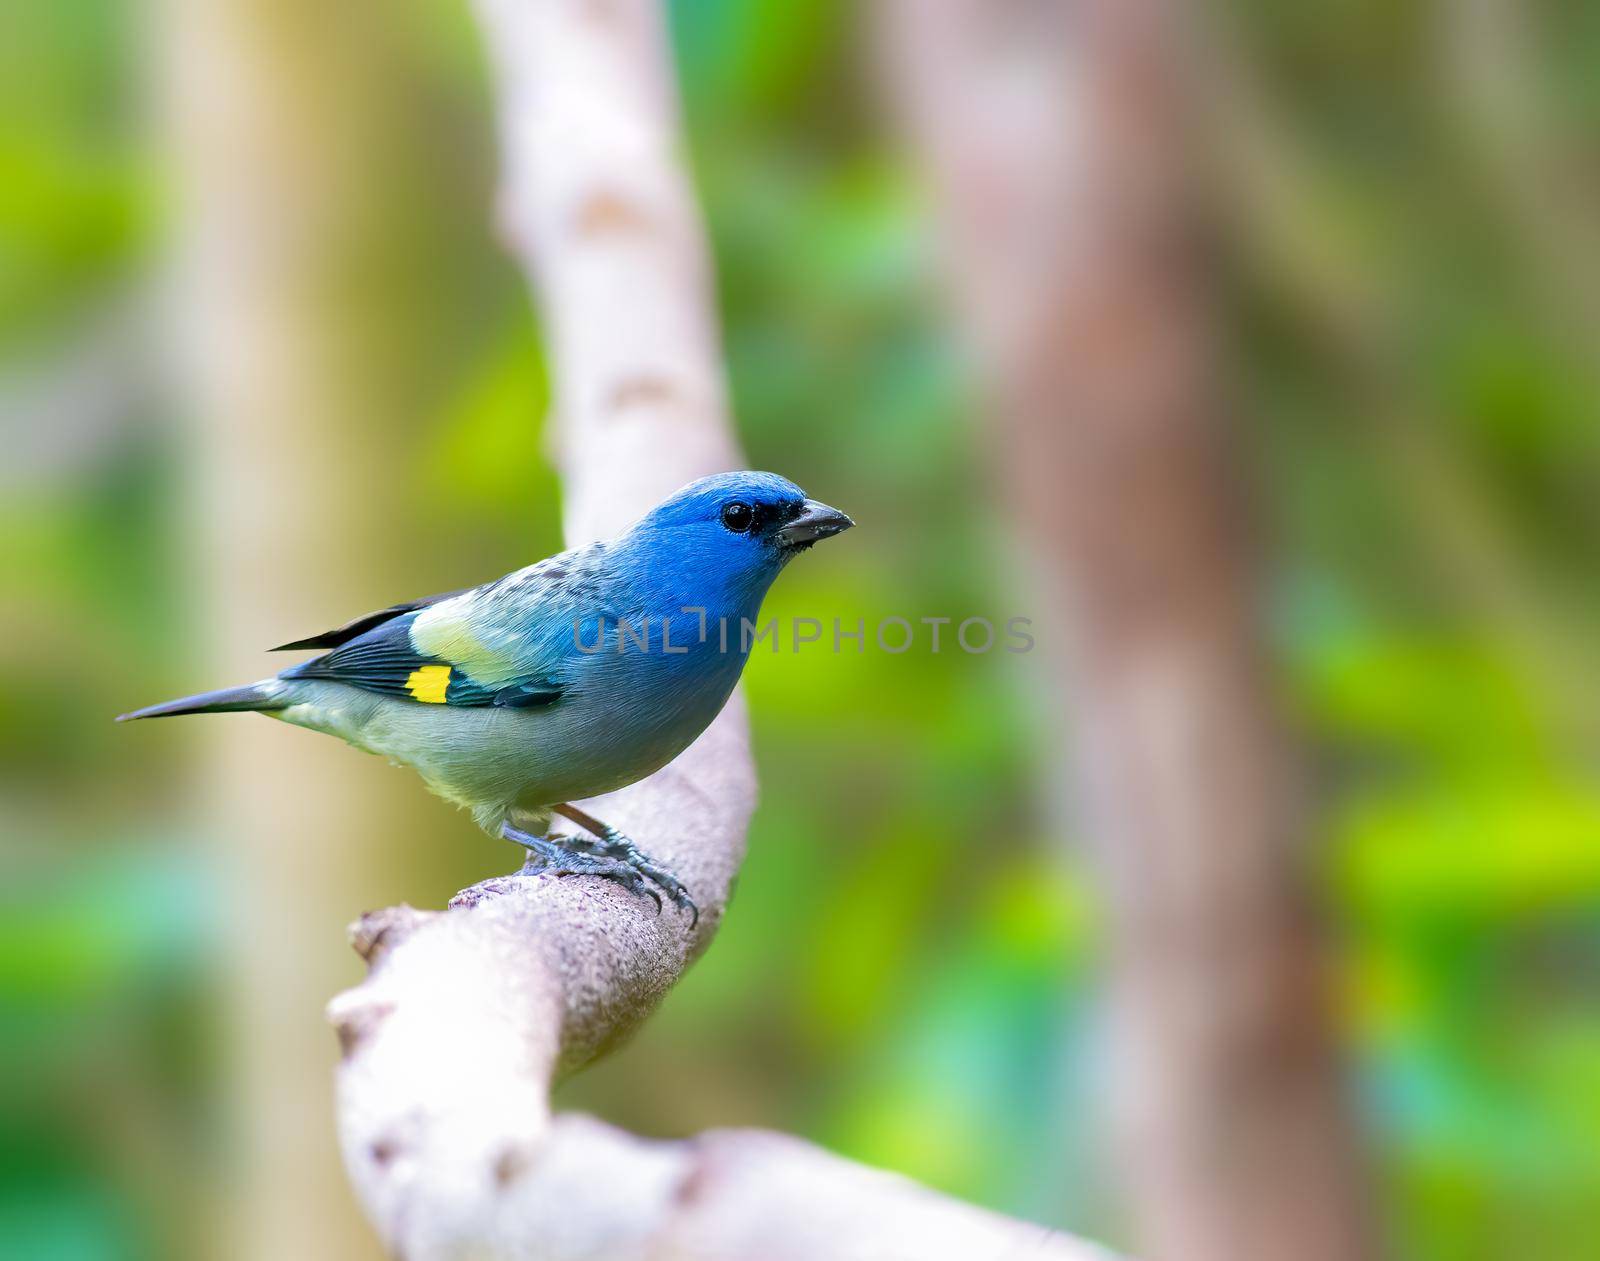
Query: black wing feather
(523, 695)
(341, 635)
(381, 660)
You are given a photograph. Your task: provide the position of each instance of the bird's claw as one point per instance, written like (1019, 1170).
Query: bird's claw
(613, 844)
(626, 877)
(611, 857)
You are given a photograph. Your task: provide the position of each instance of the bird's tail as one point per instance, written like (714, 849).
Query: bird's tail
(265, 695)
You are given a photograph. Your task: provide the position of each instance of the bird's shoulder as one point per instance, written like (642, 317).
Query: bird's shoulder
(582, 578)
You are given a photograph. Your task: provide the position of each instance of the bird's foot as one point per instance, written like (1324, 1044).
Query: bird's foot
(574, 856)
(611, 856)
(612, 844)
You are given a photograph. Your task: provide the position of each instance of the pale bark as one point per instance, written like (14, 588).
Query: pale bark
(1059, 141)
(451, 1043)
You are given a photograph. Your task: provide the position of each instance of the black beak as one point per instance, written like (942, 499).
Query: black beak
(816, 521)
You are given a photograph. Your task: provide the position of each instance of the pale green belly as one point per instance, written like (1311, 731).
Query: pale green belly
(495, 760)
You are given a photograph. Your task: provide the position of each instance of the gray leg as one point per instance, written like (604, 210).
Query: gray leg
(612, 844)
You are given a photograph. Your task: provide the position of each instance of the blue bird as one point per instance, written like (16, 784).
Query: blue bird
(570, 678)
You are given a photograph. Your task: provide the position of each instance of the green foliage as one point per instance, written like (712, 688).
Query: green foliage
(73, 182)
(904, 974)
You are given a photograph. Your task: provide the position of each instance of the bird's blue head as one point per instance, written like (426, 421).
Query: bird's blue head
(735, 531)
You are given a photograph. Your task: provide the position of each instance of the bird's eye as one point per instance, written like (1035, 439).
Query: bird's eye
(739, 517)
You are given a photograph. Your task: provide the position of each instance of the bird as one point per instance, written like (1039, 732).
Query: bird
(564, 680)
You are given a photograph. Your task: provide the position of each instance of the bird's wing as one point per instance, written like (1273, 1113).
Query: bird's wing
(359, 626)
(506, 644)
(388, 660)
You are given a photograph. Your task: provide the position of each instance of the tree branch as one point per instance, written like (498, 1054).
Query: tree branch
(452, 1041)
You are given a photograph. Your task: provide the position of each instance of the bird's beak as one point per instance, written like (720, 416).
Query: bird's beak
(816, 521)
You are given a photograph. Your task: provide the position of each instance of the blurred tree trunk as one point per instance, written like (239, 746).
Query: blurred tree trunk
(1058, 139)
(298, 299)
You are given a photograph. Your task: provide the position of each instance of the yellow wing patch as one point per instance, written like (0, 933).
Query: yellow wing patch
(429, 684)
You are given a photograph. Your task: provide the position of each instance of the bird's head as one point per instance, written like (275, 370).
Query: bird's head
(745, 526)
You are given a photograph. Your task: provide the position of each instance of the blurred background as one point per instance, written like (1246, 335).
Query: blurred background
(263, 366)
